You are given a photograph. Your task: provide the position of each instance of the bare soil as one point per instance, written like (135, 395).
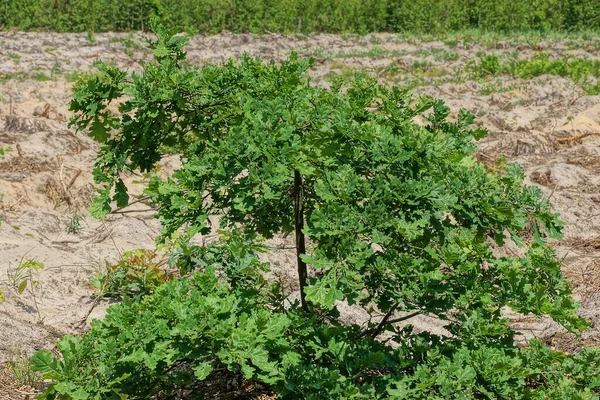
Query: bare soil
(547, 124)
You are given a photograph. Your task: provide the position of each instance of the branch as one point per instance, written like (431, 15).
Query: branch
(404, 318)
(386, 320)
(300, 239)
(133, 211)
(116, 210)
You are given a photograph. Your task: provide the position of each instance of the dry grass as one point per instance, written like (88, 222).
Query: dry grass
(585, 279)
(12, 389)
(586, 244)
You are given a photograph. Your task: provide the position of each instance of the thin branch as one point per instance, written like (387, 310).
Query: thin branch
(404, 318)
(116, 210)
(133, 211)
(377, 330)
(386, 320)
(300, 239)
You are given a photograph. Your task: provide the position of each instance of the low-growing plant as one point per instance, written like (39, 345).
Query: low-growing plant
(390, 216)
(4, 150)
(440, 54)
(90, 37)
(25, 276)
(41, 77)
(137, 273)
(73, 223)
(20, 366)
(496, 86)
(584, 72)
(487, 66)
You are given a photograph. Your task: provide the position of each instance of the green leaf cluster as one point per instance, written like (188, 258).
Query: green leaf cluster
(169, 341)
(137, 273)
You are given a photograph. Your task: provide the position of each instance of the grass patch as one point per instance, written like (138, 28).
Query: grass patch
(440, 54)
(73, 223)
(20, 367)
(41, 77)
(584, 72)
(496, 86)
(17, 76)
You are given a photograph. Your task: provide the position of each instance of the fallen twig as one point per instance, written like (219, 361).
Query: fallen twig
(73, 179)
(577, 137)
(10, 207)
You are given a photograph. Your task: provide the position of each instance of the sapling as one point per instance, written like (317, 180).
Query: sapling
(402, 221)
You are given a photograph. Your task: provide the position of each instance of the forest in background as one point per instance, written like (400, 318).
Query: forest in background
(301, 16)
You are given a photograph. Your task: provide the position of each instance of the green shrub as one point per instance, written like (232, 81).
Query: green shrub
(402, 221)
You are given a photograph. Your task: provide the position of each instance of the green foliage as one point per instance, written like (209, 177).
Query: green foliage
(73, 224)
(23, 275)
(583, 71)
(4, 150)
(307, 16)
(138, 272)
(21, 368)
(167, 341)
(400, 217)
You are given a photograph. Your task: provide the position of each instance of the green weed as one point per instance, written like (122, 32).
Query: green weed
(20, 366)
(584, 72)
(73, 224)
(440, 54)
(18, 76)
(25, 276)
(4, 150)
(496, 86)
(137, 273)
(41, 77)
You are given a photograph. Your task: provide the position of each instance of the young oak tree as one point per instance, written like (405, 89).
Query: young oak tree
(401, 220)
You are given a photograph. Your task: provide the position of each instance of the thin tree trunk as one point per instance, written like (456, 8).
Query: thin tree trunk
(300, 239)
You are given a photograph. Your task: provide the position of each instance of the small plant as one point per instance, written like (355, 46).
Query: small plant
(583, 71)
(137, 273)
(4, 150)
(41, 77)
(570, 119)
(440, 54)
(496, 86)
(73, 224)
(91, 38)
(21, 368)
(374, 52)
(24, 277)
(488, 66)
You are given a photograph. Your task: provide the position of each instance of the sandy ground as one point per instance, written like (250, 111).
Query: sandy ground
(46, 178)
